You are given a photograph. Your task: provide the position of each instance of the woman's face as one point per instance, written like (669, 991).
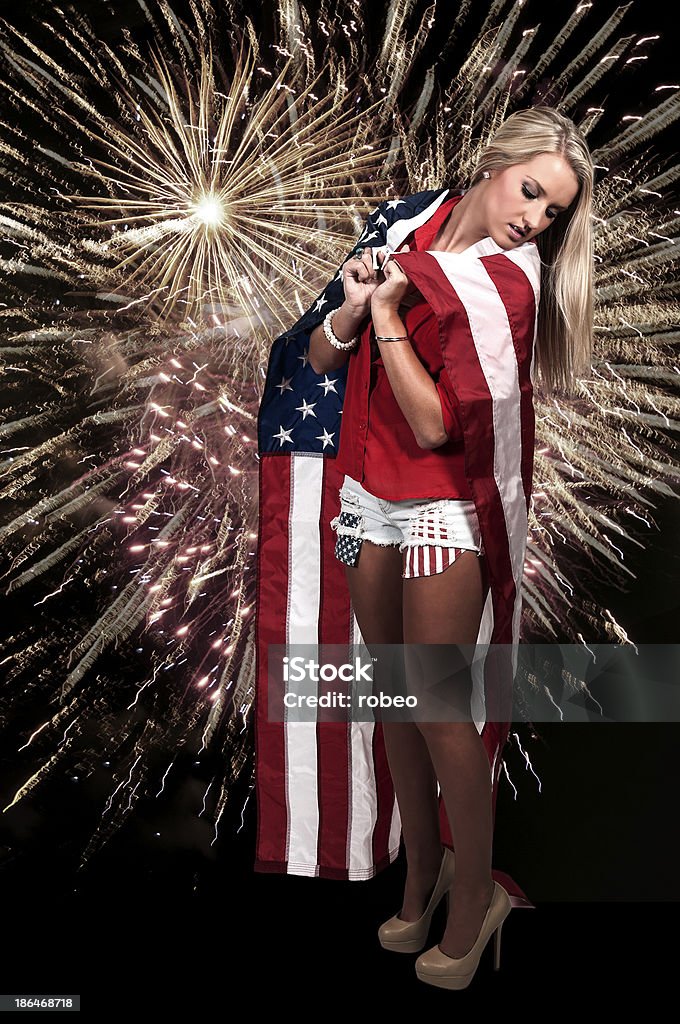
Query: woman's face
(529, 196)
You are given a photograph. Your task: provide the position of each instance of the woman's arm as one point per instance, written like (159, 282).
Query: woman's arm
(415, 391)
(324, 357)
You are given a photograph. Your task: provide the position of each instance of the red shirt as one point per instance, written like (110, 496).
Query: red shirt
(377, 446)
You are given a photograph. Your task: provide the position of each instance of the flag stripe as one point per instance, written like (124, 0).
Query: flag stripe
(333, 742)
(270, 737)
(362, 779)
(304, 600)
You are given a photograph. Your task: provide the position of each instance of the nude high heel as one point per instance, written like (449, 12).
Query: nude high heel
(410, 936)
(436, 968)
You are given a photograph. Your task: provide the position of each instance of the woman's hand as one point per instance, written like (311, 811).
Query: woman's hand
(360, 280)
(395, 285)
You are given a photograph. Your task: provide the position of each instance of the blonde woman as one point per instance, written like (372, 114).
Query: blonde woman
(455, 305)
(532, 184)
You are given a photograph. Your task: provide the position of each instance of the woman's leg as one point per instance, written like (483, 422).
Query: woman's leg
(446, 608)
(375, 586)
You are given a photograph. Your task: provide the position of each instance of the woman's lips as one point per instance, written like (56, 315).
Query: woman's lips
(515, 234)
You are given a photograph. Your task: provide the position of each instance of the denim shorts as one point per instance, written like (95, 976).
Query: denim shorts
(431, 533)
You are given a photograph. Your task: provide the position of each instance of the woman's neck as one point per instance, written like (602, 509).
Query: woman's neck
(462, 228)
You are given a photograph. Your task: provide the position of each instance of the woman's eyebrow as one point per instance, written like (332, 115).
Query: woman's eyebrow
(542, 191)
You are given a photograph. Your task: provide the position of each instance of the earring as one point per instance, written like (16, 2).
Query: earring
(485, 174)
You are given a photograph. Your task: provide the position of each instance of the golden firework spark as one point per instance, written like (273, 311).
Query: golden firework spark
(213, 191)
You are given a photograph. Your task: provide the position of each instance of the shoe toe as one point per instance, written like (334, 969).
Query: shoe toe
(432, 961)
(391, 929)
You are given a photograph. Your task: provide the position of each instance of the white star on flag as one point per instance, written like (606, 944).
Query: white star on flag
(329, 385)
(283, 435)
(326, 438)
(307, 408)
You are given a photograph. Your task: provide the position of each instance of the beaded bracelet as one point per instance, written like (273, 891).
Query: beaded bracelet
(335, 341)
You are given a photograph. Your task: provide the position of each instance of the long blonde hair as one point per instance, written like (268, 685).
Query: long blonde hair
(564, 342)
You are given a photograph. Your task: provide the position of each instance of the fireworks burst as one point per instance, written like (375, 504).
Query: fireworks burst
(215, 196)
(170, 214)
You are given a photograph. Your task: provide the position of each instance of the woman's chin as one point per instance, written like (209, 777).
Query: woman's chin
(504, 240)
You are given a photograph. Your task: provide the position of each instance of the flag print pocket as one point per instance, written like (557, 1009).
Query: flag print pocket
(348, 543)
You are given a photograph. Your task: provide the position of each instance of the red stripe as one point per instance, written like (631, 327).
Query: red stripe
(272, 567)
(332, 737)
(385, 799)
(518, 298)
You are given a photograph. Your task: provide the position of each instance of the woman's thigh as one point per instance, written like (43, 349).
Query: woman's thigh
(375, 587)
(446, 607)
(368, 545)
(441, 618)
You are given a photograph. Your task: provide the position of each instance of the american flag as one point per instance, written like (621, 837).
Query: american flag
(325, 802)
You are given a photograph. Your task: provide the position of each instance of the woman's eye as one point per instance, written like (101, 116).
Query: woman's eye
(530, 195)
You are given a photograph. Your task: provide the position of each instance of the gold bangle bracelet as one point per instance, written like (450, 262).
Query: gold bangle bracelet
(403, 337)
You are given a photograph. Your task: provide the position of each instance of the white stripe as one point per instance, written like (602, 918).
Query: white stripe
(302, 627)
(439, 559)
(494, 762)
(363, 800)
(395, 833)
(401, 229)
(426, 560)
(363, 795)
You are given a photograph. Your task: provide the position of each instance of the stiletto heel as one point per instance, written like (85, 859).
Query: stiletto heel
(410, 936)
(497, 948)
(436, 968)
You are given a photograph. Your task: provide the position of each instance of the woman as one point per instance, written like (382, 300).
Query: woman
(418, 556)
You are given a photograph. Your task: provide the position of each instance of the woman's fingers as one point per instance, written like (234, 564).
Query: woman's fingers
(363, 269)
(367, 260)
(358, 269)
